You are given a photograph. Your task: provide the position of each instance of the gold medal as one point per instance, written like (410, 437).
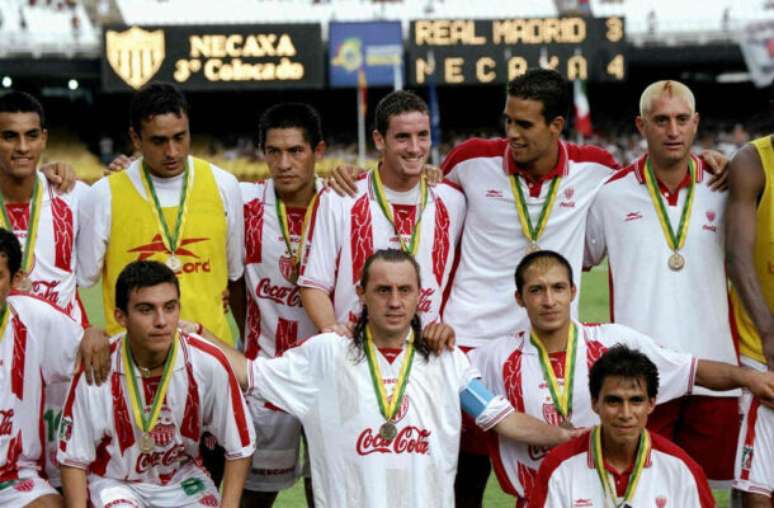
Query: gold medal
(174, 263)
(388, 431)
(533, 247)
(676, 262)
(147, 444)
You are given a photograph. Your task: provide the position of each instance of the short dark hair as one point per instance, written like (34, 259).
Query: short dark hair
(396, 103)
(622, 361)
(156, 99)
(291, 115)
(533, 257)
(22, 102)
(545, 86)
(139, 275)
(10, 249)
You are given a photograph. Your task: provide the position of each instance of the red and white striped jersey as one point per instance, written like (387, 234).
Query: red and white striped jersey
(53, 272)
(275, 319)
(38, 347)
(684, 310)
(510, 367)
(568, 478)
(481, 306)
(346, 230)
(98, 431)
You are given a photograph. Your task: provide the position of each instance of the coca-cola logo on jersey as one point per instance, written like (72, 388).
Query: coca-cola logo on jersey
(6, 422)
(410, 439)
(46, 289)
(284, 295)
(425, 299)
(146, 461)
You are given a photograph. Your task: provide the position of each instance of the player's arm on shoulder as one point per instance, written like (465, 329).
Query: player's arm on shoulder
(236, 359)
(60, 175)
(746, 183)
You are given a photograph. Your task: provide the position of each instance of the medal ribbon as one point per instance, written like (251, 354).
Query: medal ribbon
(388, 407)
(170, 240)
(533, 233)
(282, 217)
(141, 418)
(562, 398)
(384, 204)
(5, 314)
(643, 450)
(675, 241)
(32, 226)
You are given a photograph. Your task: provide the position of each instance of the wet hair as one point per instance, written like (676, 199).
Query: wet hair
(10, 249)
(622, 361)
(670, 88)
(545, 86)
(291, 115)
(547, 257)
(156, 99)
(396, 103)
(22, 102)
(139, 275)
(358, 334)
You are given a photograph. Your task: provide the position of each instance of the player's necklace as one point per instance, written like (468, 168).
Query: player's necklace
(388, 406)
(531, 232)
(294, 255)
(28, 258)
(675, 241)
(611, 497)
(143, 419)
(413, 246)
(170, 239)
(562, 398)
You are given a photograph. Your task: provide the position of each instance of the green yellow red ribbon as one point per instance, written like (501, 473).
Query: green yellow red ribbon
(562, 399)
(384, 204)
(534, 232)
(36, 203)
(388, 405)
(170, 240)
(675, 240)
(643, 450)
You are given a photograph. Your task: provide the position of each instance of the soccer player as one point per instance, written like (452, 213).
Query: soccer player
(167, 206)
(290, 136)
(749, 237)
(619, 462)
(381, 414)
(542, 368)
(393, 208)
(38, 346)
(661, 227)
(135, 441)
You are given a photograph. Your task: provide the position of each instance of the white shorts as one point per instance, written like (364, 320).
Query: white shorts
(196, 491)
(55, 399)
(29, 487)
(754, 467)
(275, 464)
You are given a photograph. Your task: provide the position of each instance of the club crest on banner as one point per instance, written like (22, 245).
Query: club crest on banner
(135, 55)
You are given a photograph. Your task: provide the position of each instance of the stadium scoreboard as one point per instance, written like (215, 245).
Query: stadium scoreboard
(469, 52)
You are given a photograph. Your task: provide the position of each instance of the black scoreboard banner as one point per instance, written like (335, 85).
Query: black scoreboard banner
(469, 52)
(223, 57)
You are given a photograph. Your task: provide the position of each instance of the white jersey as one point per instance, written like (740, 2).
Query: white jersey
(347, 230)
(510, 367)
(98, 431)
(670, 477)
(481, 306)
(275, 319)
(690, 305)
(95, 215)
(37, 347)
(328, 386)
(53, 269)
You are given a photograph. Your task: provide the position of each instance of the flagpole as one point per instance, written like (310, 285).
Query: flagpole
(435, 113)
(361, 119)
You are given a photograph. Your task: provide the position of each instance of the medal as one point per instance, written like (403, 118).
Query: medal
(566, 424)
(562, 399)
(413, 245)
(388, 406)
(147, 444)
(170, 239)
(388, 431)
(28, 253)
(675, 240)
(25, 284)
(611, 496)
(293, 256)
(533, 247)
(174, 264)
(676, 262)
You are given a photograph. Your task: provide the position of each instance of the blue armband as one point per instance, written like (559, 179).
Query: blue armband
(475, 397)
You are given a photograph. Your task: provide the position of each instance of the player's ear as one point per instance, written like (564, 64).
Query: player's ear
(378, 140)
(518, 297)
(360, 294)
(573, 291)
(120, 317)
(319, 150)
(135, 137)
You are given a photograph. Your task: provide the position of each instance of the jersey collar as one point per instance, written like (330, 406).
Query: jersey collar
(561, 168)
(639, 171)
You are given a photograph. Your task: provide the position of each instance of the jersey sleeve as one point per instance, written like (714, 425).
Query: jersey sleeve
(322, 244)
(596, 246)
(676, 370)
(77, 428)
(232, 202)
(59, 333)
(94, 217)
(291, 381)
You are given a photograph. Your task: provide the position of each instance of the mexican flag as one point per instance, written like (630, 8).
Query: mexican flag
(582, 110)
